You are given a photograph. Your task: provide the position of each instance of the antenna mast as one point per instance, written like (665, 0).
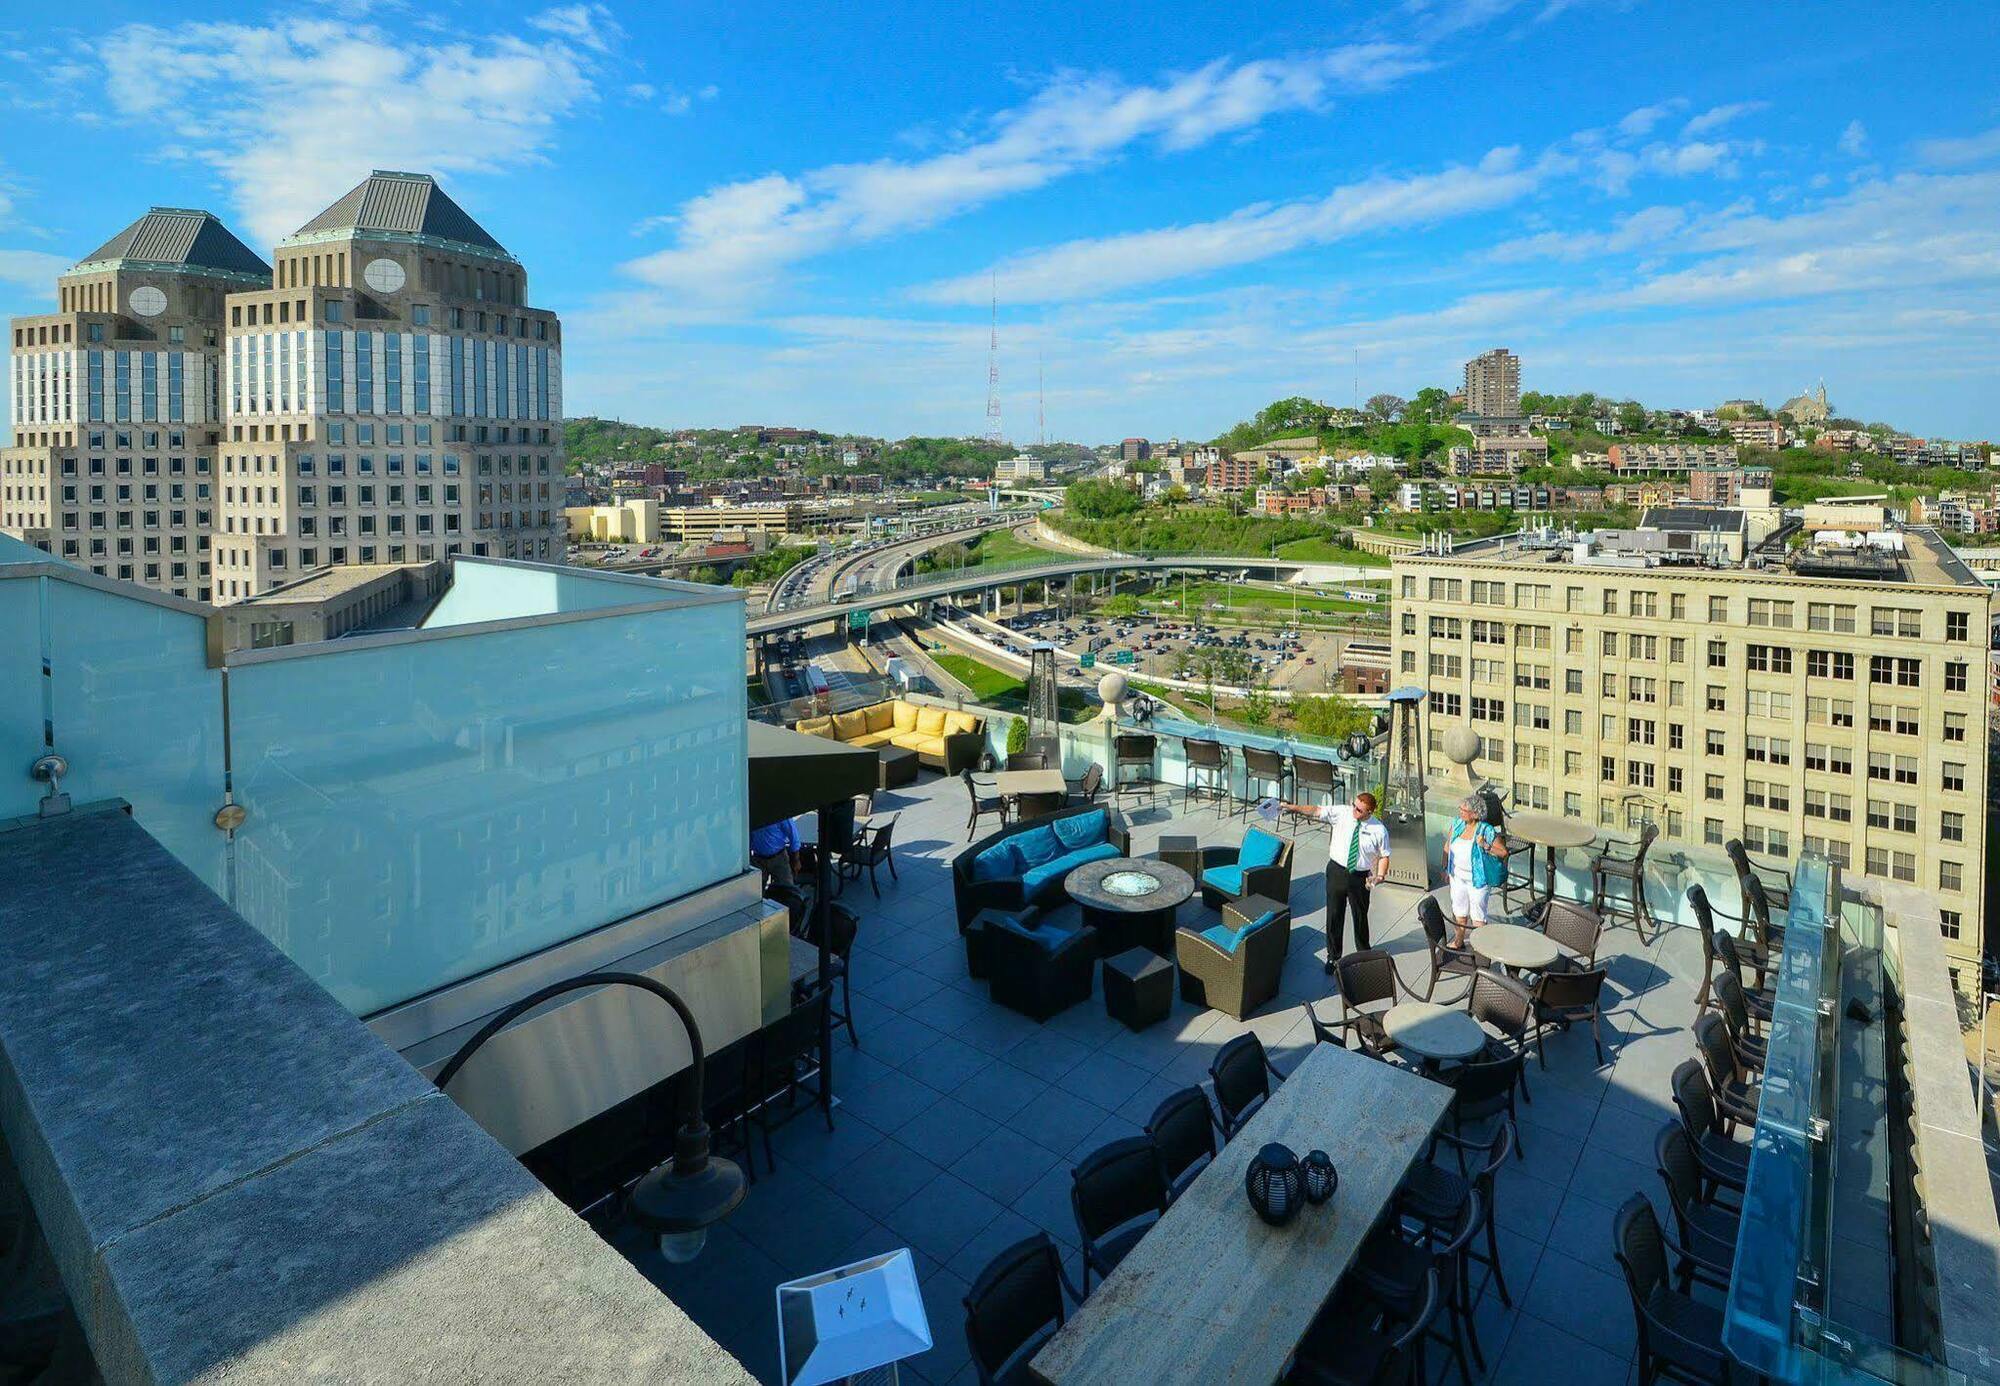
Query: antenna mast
(993, 369)
(1041, 415)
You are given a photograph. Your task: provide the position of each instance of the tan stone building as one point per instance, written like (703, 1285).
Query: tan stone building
(116, 403)
(1824, 698)
(390, 396)
(204, 423)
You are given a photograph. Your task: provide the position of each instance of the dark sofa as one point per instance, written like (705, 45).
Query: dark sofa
(1025, 863)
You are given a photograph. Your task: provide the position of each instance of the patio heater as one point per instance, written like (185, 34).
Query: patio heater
(1402, 789)
(1043, 736)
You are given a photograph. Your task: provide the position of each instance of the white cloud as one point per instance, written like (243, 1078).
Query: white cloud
(1641, 121)
(736, 238)
(1968, 149)
(1085, 268)
(1641, 231)
(291, 114)
(1715, 117)
(31, 269)
(1854, 140)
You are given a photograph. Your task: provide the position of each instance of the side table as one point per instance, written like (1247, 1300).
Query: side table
(1184, 852)
(1138, 988)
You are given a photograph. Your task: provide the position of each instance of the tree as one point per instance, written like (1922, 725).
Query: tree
(1431, 405)
(1175, 494)
(1122, 605)
(1388, 407)
(1100, 500)
(1017, 736)
(1330, 716)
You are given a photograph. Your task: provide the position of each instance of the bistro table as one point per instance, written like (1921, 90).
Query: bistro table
(1213, 1294)
(1131, 904)
(1513, 946)
(1551, 833)
(1042, 791)
(1432, 1032)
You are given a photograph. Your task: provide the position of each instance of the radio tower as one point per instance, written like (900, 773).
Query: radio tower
(993, 370)
(1041, 417)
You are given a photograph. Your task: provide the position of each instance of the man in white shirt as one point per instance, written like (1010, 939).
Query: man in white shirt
(1357, 859)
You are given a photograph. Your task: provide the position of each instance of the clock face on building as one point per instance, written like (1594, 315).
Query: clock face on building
(383, 276)
(147, 301)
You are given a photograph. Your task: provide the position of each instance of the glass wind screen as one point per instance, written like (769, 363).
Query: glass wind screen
(137, 713)
(425, 811)
(21, 739)
(500, 592)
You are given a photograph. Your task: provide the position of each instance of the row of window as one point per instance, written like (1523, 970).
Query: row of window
(1768, 612)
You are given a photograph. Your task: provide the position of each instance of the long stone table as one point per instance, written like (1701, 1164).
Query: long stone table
(1213, 1294)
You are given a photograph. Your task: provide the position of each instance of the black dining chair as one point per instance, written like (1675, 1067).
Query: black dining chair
(1437, 1195)
(1446, 961)
(873, 848)
(1724, 1162)
(1020, 1301)
(1183, 1132)
(1117, 1194)
(1356, 1340)
(1708, 1227)
(1242, 1078)
(993, 802)
(1562, 999)
(1679, 1335)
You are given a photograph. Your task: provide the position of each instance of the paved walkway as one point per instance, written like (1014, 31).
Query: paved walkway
(959, 1120)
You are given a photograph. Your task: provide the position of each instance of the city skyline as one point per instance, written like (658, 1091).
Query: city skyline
(1183, 223)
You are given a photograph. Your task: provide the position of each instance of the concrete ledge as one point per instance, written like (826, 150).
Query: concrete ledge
(237, 1181)
(1951, 1159)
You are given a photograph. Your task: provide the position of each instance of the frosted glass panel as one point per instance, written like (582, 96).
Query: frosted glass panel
(422, 812)
(497, 592)
(138, 715)
(20, 691)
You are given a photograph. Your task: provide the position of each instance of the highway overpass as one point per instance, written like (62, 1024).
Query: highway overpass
(931, 586)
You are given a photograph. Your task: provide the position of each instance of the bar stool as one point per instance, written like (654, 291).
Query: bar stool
(1312, 776)
(1134, 750)
(1207, 772)
(1261, 766)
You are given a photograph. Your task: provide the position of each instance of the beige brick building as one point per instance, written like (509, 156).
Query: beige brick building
(116, 403)
(1829, 698)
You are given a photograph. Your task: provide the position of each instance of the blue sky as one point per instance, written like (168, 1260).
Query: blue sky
(795, 213)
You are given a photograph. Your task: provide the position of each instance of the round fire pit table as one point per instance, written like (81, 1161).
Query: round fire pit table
(1131, 904)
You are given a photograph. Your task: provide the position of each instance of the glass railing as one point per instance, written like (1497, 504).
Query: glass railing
(1812, 1290)
(559, 752)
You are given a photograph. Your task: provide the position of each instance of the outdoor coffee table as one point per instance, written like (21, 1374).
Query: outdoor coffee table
(1513, 946)
(1131, 904)
(895, 766)
(1432, 1032)
(1138, 987)
(1551, 833)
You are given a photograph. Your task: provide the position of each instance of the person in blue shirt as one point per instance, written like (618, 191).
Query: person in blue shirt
(1475, 860)
(774, 850)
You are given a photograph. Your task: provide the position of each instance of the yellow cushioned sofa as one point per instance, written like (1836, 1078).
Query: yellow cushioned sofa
(943, 739)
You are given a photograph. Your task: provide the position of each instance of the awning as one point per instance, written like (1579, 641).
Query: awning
(793, 773)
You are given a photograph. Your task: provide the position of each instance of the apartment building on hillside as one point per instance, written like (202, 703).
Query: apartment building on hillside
(1702, 673)
(1493, 384)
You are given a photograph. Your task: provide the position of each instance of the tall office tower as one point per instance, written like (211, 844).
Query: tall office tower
(1493, 384)
(1704, 674)
(390, 397)
(115, 406)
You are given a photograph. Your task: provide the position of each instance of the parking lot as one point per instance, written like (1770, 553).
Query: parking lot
(1148, 646)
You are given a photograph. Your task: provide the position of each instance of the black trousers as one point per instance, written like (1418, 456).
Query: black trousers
(1345, 890)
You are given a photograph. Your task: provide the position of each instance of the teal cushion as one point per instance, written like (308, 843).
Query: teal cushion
(1227, 939)
(1037, 846)
(1044, 882)
(1082, 829)
(997, 863)
(1259, 849)
(1229, 878)
(1048, 936)
(1222, 936)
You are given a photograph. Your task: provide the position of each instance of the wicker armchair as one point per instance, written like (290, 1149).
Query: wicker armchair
(1235, 966)
(1223, 878)
(1039, 971)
